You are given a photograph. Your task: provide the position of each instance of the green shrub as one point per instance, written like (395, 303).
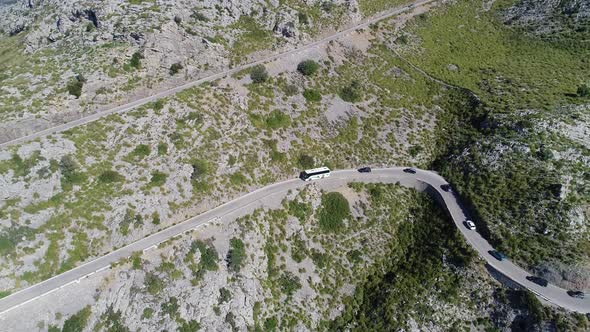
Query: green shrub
(147, 313)
(305, 161)
(277, 119)
(351, 93)
(224, 295)
(302, 17)
(190, 326)
(77, 322)
(289, 283)
(141, 151)
(583, 90)
(236, 254)
(69, 171)
(157, 105)
(170, 307)
(153, 284)
(354, 256)
(136, 262)
(162, 149)
(175, 68)
(209, 255)
(334, 210)
(312, 95)
(156, 218)
(110, 176)
(308, 67)
(258, 74)
(299, 210)
(75, 86)
(200, 169)
(291, 89)
(135, 61)
(158, 179)
(271, 324)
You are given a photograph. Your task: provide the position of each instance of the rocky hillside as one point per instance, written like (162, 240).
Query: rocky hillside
(551, 18)
(60, 59)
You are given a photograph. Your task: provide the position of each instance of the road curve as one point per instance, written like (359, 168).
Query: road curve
(423, 180)
(142, 101)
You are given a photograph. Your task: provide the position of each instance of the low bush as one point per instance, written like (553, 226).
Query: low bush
(305, 161)
(236, 255)
(175, 68)
(258, 74)
(312, 95)
(277, 119)
(135, 61)
(75, 86)
(110, 176)
(583, 90)
(77, 322)
(334, 210)
(308, 67)
(158, 179)
(352, 93)
(289, 283)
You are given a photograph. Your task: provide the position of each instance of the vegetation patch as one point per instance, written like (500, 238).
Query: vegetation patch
(335, 209)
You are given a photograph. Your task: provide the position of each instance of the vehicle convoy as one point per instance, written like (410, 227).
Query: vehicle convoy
(497, 255)
(576, 294)
(538, 280)
(315, 174)
(446, 187)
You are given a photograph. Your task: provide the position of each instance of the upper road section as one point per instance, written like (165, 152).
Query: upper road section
(423, 180)
(140, 102)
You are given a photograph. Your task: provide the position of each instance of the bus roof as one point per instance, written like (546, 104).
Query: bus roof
(315, 170)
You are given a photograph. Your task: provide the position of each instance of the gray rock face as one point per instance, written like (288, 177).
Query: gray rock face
(550, 16)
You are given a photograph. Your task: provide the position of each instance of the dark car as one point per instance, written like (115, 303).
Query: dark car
(409, 170)
(498, 255)
(446, 187)
(576, 294)
(364, 170)
(538, 280)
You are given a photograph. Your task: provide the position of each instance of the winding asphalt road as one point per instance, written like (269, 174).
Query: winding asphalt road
(423, 180)
(140, 102)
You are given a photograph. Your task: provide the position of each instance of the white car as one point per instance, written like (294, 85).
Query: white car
(469, 224)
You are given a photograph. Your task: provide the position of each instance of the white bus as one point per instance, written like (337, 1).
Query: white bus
(315, 174)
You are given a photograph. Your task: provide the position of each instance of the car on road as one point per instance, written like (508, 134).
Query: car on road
(576, 294)
(538, 280)
(446, 187)
(469, 224)
(364, 170)
(410, 170)
(497, 255)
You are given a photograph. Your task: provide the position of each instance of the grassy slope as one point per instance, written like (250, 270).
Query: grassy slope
(514, 192)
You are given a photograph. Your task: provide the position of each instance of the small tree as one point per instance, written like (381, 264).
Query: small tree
(135, 61)
(305, 161)
(352, 93)
(583, 90)
(75, 86)
(258, 74)
(312, 95)
(175, 68)
(308, 67)
(303, 19)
